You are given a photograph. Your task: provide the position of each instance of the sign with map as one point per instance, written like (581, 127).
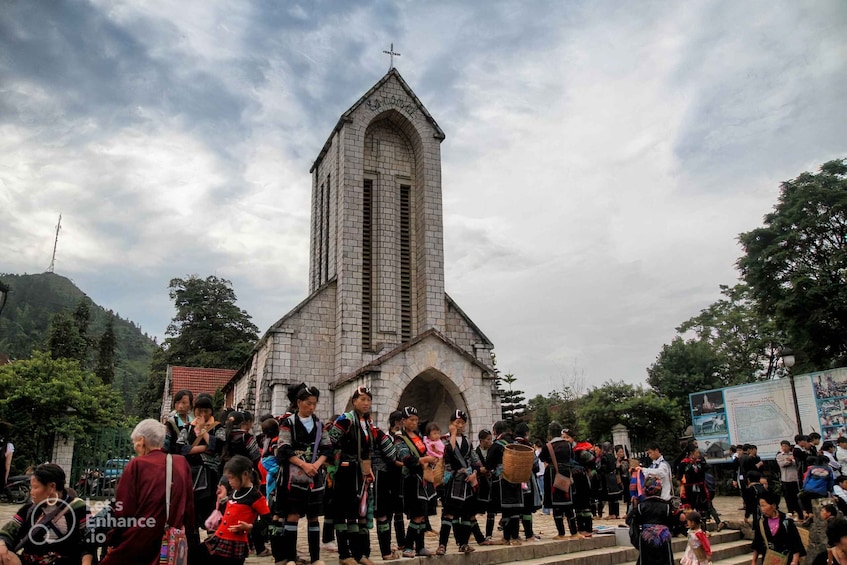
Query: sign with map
(763, 413)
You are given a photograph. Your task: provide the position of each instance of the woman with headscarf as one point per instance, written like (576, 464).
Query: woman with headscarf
(417, 492)
(558, 455)
(506, 497)
(202, 443)
(650, 524)
(695, 495)
(459, 501)
(51, 527)
(302, 450)
(140, 496)
(531, 493)
(352, 441)
(582, 471)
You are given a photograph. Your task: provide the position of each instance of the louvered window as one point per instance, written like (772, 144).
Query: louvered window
(367, 258)
(405, 264)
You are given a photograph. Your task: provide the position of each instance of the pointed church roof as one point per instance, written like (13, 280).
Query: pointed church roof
(346, 117)
(376, 363)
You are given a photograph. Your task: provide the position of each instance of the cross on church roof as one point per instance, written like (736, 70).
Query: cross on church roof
(392, 54)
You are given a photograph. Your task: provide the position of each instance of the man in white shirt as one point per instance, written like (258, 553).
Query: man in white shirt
(659, 468)
(6, 452)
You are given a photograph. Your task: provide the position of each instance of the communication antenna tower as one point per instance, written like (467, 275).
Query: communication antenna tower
(55, 244)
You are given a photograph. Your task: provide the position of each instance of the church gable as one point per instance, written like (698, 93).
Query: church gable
(464, 333)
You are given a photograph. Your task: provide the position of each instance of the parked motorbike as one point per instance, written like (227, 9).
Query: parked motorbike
(17, 490)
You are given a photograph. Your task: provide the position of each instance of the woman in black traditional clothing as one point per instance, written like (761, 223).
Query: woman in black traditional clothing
(558, 455)
(202, 443)
(417, 492)
(353, 442)
(773, 530)
(384, 490)
(459, 500)
(650, 524)
(531, 494)
(506, 497)
(302, 450)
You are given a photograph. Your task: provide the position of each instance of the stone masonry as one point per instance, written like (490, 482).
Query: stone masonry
(396, 331)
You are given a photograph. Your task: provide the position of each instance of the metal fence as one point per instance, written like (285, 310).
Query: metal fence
(99, 462)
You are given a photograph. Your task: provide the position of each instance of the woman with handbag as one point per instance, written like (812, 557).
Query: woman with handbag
(461, 482)
(558, 495)
(775, 536)
(140, 497)
(50, 528)
(352, 440)
(417, 492)
(302, 449)
(202, 443)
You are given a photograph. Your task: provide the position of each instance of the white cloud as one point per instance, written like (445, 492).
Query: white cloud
(600, 159)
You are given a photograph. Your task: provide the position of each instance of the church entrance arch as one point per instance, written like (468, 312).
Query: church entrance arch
(435, 396)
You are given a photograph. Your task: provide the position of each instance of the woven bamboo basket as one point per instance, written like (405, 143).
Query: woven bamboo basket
(517, 463)
(434, 473)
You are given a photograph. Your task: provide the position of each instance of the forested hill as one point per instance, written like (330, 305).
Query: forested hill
(35, 299)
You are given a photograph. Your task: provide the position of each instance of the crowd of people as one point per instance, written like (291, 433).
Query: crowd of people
(348, 476)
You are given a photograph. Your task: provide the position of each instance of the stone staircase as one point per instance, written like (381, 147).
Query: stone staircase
(728, 548)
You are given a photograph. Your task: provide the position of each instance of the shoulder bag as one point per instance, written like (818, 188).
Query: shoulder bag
(174, 544)
(772, 557)
(297, 476)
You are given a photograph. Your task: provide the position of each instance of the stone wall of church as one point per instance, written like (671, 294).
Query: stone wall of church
(461, 333)
(468, 389)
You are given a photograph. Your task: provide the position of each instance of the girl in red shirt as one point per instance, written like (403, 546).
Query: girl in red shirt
(230, 543)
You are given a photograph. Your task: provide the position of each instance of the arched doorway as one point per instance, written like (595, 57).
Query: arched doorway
(435, 396)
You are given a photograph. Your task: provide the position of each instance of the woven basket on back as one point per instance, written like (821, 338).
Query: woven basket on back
(517, 462)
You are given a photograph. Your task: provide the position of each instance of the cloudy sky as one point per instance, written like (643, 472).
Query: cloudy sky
(600, 160)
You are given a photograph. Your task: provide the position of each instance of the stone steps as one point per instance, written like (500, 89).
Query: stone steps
(598, 550)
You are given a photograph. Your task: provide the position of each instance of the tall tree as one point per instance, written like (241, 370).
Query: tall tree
(735, 328)
(64, 341)
(208, 330)
(647, 415)
(683, 367)
(512, 402)
(796, 265)
(105, 367)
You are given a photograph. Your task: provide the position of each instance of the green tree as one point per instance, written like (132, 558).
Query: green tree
(512, 402)
(646, 414)
(683, 367)
(208, 330)
(43, 396)
(735, 328)
(64, 341)
(105, 368)
(796, 265)
(538, 410)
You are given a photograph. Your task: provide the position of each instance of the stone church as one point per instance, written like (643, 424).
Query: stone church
(377, 313)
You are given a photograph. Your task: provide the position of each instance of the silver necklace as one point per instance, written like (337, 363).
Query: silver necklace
(249, 490)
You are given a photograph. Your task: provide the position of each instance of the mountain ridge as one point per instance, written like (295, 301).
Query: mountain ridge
(33, 301)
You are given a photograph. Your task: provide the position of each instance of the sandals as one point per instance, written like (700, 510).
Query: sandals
(441, 550)
(409, 553)
(466, 549)
(391, 556)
